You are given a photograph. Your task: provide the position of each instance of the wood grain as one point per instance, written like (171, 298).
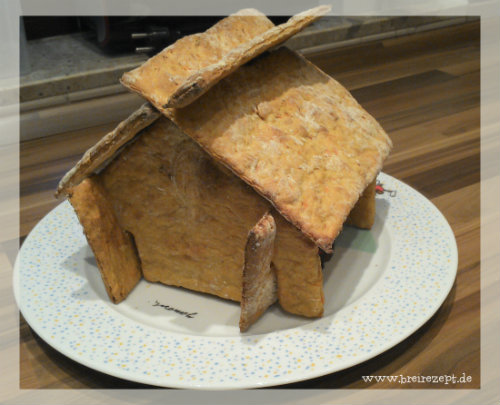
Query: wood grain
(424, 90)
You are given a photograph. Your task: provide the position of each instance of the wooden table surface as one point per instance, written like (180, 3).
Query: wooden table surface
(424, 89)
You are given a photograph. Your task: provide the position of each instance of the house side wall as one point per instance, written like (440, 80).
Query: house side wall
(363, 213)
(113, 248)
(298, 270)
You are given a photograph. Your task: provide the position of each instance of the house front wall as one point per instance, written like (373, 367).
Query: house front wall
(190, 220)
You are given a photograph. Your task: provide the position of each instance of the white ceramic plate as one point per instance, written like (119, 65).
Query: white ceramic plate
(380, 287)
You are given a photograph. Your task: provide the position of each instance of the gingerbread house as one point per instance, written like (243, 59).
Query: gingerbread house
(242, 166)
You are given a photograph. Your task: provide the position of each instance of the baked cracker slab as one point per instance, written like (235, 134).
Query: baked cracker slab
(113, 248)
(259, 287)
(201, 81)
(294, 134)
(163, 74)
(106, 148)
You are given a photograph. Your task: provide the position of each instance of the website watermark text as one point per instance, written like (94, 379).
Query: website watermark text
(419, 379)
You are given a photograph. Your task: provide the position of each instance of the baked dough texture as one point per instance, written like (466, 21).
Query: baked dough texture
(104, 150)
(153, 201)
(259, 289)
(199, 82)
(190, 220)
(113, 248)
(298, 270)
(163, 74)
(363, 213)
(295, 135)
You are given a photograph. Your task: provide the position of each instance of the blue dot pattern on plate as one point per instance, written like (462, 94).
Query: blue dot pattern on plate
(58, 303)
